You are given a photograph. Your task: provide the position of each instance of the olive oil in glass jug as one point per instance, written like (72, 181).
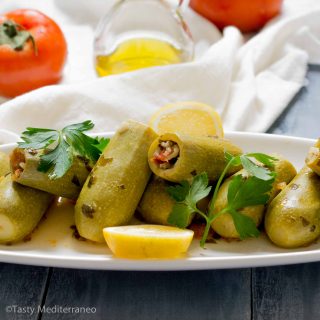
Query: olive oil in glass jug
(138, 34)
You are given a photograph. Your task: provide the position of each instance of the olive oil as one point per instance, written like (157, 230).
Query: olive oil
(137, 53)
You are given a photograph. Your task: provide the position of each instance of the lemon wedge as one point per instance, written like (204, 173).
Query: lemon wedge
(188, 117)
(147, 241)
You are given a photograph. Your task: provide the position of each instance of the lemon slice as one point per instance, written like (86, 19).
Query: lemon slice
(192, 118)
(147, 241)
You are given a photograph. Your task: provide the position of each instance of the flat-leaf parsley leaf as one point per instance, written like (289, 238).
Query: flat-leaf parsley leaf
(60, 146)
(186, 196)
(243, 191)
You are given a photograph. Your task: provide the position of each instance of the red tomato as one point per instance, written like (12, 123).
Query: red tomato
(36, 60)
(247, 15)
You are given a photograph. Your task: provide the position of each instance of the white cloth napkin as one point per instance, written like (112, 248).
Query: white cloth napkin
(249, 82)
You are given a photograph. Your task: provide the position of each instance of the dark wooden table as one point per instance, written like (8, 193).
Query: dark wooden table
(283, 292)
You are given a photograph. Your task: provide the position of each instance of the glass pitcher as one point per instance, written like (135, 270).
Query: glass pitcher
(137, 34)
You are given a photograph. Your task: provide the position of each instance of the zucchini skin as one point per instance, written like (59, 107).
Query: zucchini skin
(21, 208)
(68, 186)
(224, 224)
(4, 164)
(113, 190)
(156, 204)
(293, 217)
(197, 155)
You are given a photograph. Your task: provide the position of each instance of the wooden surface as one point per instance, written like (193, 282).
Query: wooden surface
(277, 293)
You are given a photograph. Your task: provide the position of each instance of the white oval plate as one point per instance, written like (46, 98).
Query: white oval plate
(52, 243)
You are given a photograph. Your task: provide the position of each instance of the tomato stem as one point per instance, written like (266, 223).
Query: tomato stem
(10, 29)
(14, 35)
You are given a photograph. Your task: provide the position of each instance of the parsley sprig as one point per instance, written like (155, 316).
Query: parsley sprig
(60, 146)
(243, 191)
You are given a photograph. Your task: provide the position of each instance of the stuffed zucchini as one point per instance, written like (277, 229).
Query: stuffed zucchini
(293, 217)
(179, 157)
(24, 166)
(113, 190)
(224, 224)
(21, 209)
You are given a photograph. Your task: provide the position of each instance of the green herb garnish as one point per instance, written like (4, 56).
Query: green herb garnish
(187, 197)
(242, 192)
(60, 146)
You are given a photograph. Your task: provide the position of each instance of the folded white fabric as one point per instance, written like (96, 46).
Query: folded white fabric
(250, 83)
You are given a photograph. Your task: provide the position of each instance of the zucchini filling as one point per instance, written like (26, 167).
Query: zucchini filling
(313, 159)
(18, 162)
(166, 154)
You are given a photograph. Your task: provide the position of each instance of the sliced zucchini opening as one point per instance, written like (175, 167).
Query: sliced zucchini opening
(313, 159)
(166, 154)
(18, 161)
